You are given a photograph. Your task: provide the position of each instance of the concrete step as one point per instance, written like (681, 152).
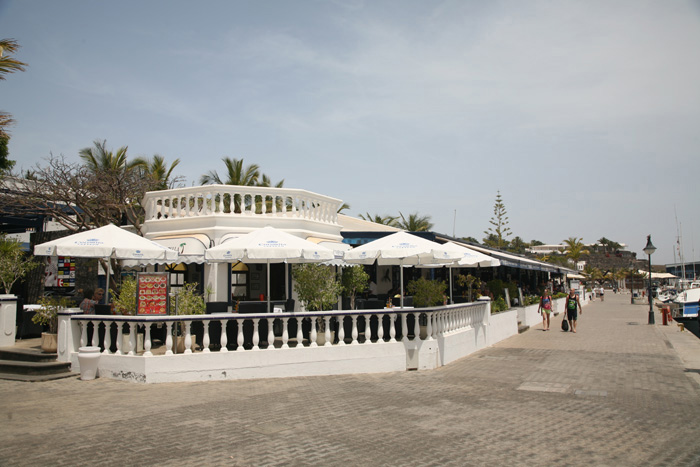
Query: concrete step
(522, 328)
(31, 365)
(25, 355)
(33, 368)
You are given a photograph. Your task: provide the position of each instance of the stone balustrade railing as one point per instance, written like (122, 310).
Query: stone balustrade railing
(236, 200)
(246, 332)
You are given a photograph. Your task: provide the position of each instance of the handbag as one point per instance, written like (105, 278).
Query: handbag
(565, 325)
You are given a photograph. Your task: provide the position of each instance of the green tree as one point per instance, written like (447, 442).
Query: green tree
(236, 174)
(471, 240)
(14, 263)
(316, 285)
(157, 169)
(427, 293)
(414, 223)
(518, 245)
(5, 163)
(8, 65)
(354, 280)
(384, 220)
(499, 224)
(575, 249)
(99, 159)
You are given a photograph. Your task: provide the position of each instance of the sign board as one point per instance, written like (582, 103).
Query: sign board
(152, 293)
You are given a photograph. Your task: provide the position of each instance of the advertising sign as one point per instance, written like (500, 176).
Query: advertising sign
(152, 293)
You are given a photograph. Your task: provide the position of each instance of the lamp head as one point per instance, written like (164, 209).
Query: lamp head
(650, 248)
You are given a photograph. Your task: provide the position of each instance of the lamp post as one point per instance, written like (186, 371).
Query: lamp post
(648, 250)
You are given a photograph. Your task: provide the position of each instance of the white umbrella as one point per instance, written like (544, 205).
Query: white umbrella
(403, 249)
(469, 259)
(268, 245)
(106, 242)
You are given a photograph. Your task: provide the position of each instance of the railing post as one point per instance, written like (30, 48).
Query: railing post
(300, 333)
(188, 337)
(285, 333)
(341, 330)
(120, 336)
(355, 333)
(108, 337)
(224, 337)
(429, 329)
(270, 334)
(168, 338)
(239, 335)
(392, 327)
(133, 339)
(147, 340)
(205, 338)
(256, 337)
(327, 321)
(313, 335)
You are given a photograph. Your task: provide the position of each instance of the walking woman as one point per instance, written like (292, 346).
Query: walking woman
(545, 308)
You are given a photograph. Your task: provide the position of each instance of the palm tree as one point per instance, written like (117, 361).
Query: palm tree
(158, 170)
(384, 220)
(575, 249)
(8, 65)
(343, 207)
(100, 158)
(415, 223)
(236, 174)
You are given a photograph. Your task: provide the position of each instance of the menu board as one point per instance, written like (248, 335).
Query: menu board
(152, 298)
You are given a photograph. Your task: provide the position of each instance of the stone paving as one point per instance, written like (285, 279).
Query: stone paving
(617, 393)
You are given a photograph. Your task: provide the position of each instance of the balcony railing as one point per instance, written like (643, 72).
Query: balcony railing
(224, 332)
(235, 200)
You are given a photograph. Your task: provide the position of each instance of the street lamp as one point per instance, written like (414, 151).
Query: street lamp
(648, 250)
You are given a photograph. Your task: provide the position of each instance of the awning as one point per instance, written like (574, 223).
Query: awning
(521, 262)
(190, 247)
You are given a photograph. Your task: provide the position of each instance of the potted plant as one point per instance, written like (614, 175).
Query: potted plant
(317, 288)
(14, 263)
(47, 316)
(425, 294)
(354, 280)
(187, 301)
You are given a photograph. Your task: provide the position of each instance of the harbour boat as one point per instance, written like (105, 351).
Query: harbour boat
(686, 304)
(666, 296)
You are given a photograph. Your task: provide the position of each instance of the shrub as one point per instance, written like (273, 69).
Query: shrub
(47, 315)
(354, 281)
(499, 305)
(316, 285)
(427, 293)
(125, 300)
(189, 302)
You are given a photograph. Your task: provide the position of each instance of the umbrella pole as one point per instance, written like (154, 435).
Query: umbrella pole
(451, 300)
(401, 276)
(268, 285)
(109, 274)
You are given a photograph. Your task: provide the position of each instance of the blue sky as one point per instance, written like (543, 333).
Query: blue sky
(584, 114)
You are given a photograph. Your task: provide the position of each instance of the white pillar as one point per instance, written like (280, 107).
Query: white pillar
(68, 338)
(8, 320)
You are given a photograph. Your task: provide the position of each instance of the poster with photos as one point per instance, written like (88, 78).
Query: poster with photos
(152, 293)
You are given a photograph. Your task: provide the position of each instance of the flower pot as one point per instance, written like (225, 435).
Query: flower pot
(180, 347)
(89, 358)
(49, 342)
(321, 338)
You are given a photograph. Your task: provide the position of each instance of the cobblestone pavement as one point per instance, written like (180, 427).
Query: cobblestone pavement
(617, 393)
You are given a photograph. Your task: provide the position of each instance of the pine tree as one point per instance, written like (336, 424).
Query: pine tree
(497, 235)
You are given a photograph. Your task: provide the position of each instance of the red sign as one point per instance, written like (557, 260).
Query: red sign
(152, 298)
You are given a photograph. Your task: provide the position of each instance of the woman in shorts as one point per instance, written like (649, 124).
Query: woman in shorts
(545, 308)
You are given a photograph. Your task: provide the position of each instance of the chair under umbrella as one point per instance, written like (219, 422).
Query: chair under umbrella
(402, 249)
(268, 245)
(108, 242)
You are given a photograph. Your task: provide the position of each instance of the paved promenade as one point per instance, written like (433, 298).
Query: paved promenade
(617, 393)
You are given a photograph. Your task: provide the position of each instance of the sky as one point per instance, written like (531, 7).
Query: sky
(584, 115)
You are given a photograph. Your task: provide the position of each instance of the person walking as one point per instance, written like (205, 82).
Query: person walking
(573, 306)
(545, 308)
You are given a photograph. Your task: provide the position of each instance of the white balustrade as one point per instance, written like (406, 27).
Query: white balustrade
(233, 200)
(391, 326)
